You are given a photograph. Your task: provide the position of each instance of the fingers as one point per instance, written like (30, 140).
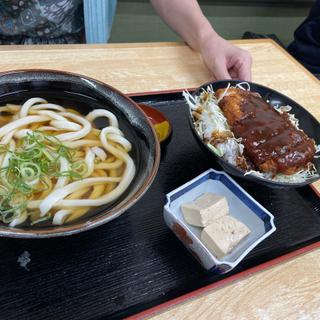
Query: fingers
(233, 74)
(237, 65)
(220, 71)
(226, 61)
(244, 69)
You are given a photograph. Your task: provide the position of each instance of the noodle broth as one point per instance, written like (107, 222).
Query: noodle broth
(84, 105)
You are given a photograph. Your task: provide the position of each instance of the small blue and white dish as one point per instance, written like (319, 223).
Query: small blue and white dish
(242, 207)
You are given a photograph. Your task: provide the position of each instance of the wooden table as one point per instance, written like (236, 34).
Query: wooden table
(290, 290)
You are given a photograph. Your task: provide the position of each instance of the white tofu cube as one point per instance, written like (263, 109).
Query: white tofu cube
(205, 209)
(223, 235)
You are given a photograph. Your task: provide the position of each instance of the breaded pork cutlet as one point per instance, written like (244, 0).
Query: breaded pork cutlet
(272, 143)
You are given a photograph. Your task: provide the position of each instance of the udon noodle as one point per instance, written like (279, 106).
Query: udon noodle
(55, 164)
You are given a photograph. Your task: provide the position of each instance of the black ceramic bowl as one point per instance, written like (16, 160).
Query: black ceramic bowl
(307, 123)
(84, 95)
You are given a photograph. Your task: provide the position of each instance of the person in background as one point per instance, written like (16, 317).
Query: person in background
(306, 45)
(223, 59)
(60, 22)
(41, 21)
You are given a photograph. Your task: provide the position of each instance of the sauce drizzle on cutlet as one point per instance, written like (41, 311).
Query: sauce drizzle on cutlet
(271, 141)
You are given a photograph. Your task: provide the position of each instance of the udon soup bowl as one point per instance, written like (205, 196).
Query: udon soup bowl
(84, 95)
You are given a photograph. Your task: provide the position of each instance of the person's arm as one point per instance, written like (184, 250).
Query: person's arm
(185, 17)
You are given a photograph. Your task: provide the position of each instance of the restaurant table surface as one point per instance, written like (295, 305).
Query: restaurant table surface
(290, 290)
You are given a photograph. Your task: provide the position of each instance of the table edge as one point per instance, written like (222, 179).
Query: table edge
(39, 47)
(188, 297)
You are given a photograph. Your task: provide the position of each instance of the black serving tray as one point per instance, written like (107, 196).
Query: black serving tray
(134, 262)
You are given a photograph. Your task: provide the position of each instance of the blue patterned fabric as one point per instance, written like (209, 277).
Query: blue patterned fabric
(55, 21)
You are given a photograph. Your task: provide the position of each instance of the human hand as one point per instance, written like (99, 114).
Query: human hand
(225, 60)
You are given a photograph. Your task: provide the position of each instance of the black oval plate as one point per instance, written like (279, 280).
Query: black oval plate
(307, 122)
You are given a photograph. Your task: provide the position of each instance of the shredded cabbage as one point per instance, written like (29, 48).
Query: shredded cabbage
(210, 122)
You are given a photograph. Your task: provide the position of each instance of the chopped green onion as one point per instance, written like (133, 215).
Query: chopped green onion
(3, 148)
(34, 162)
(29, 170)
(217, 151)
(80, 167)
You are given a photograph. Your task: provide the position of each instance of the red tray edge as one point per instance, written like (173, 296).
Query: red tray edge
(149, 93)
(199, 292)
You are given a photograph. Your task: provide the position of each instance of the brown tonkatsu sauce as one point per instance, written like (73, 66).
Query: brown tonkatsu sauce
(271, 141)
